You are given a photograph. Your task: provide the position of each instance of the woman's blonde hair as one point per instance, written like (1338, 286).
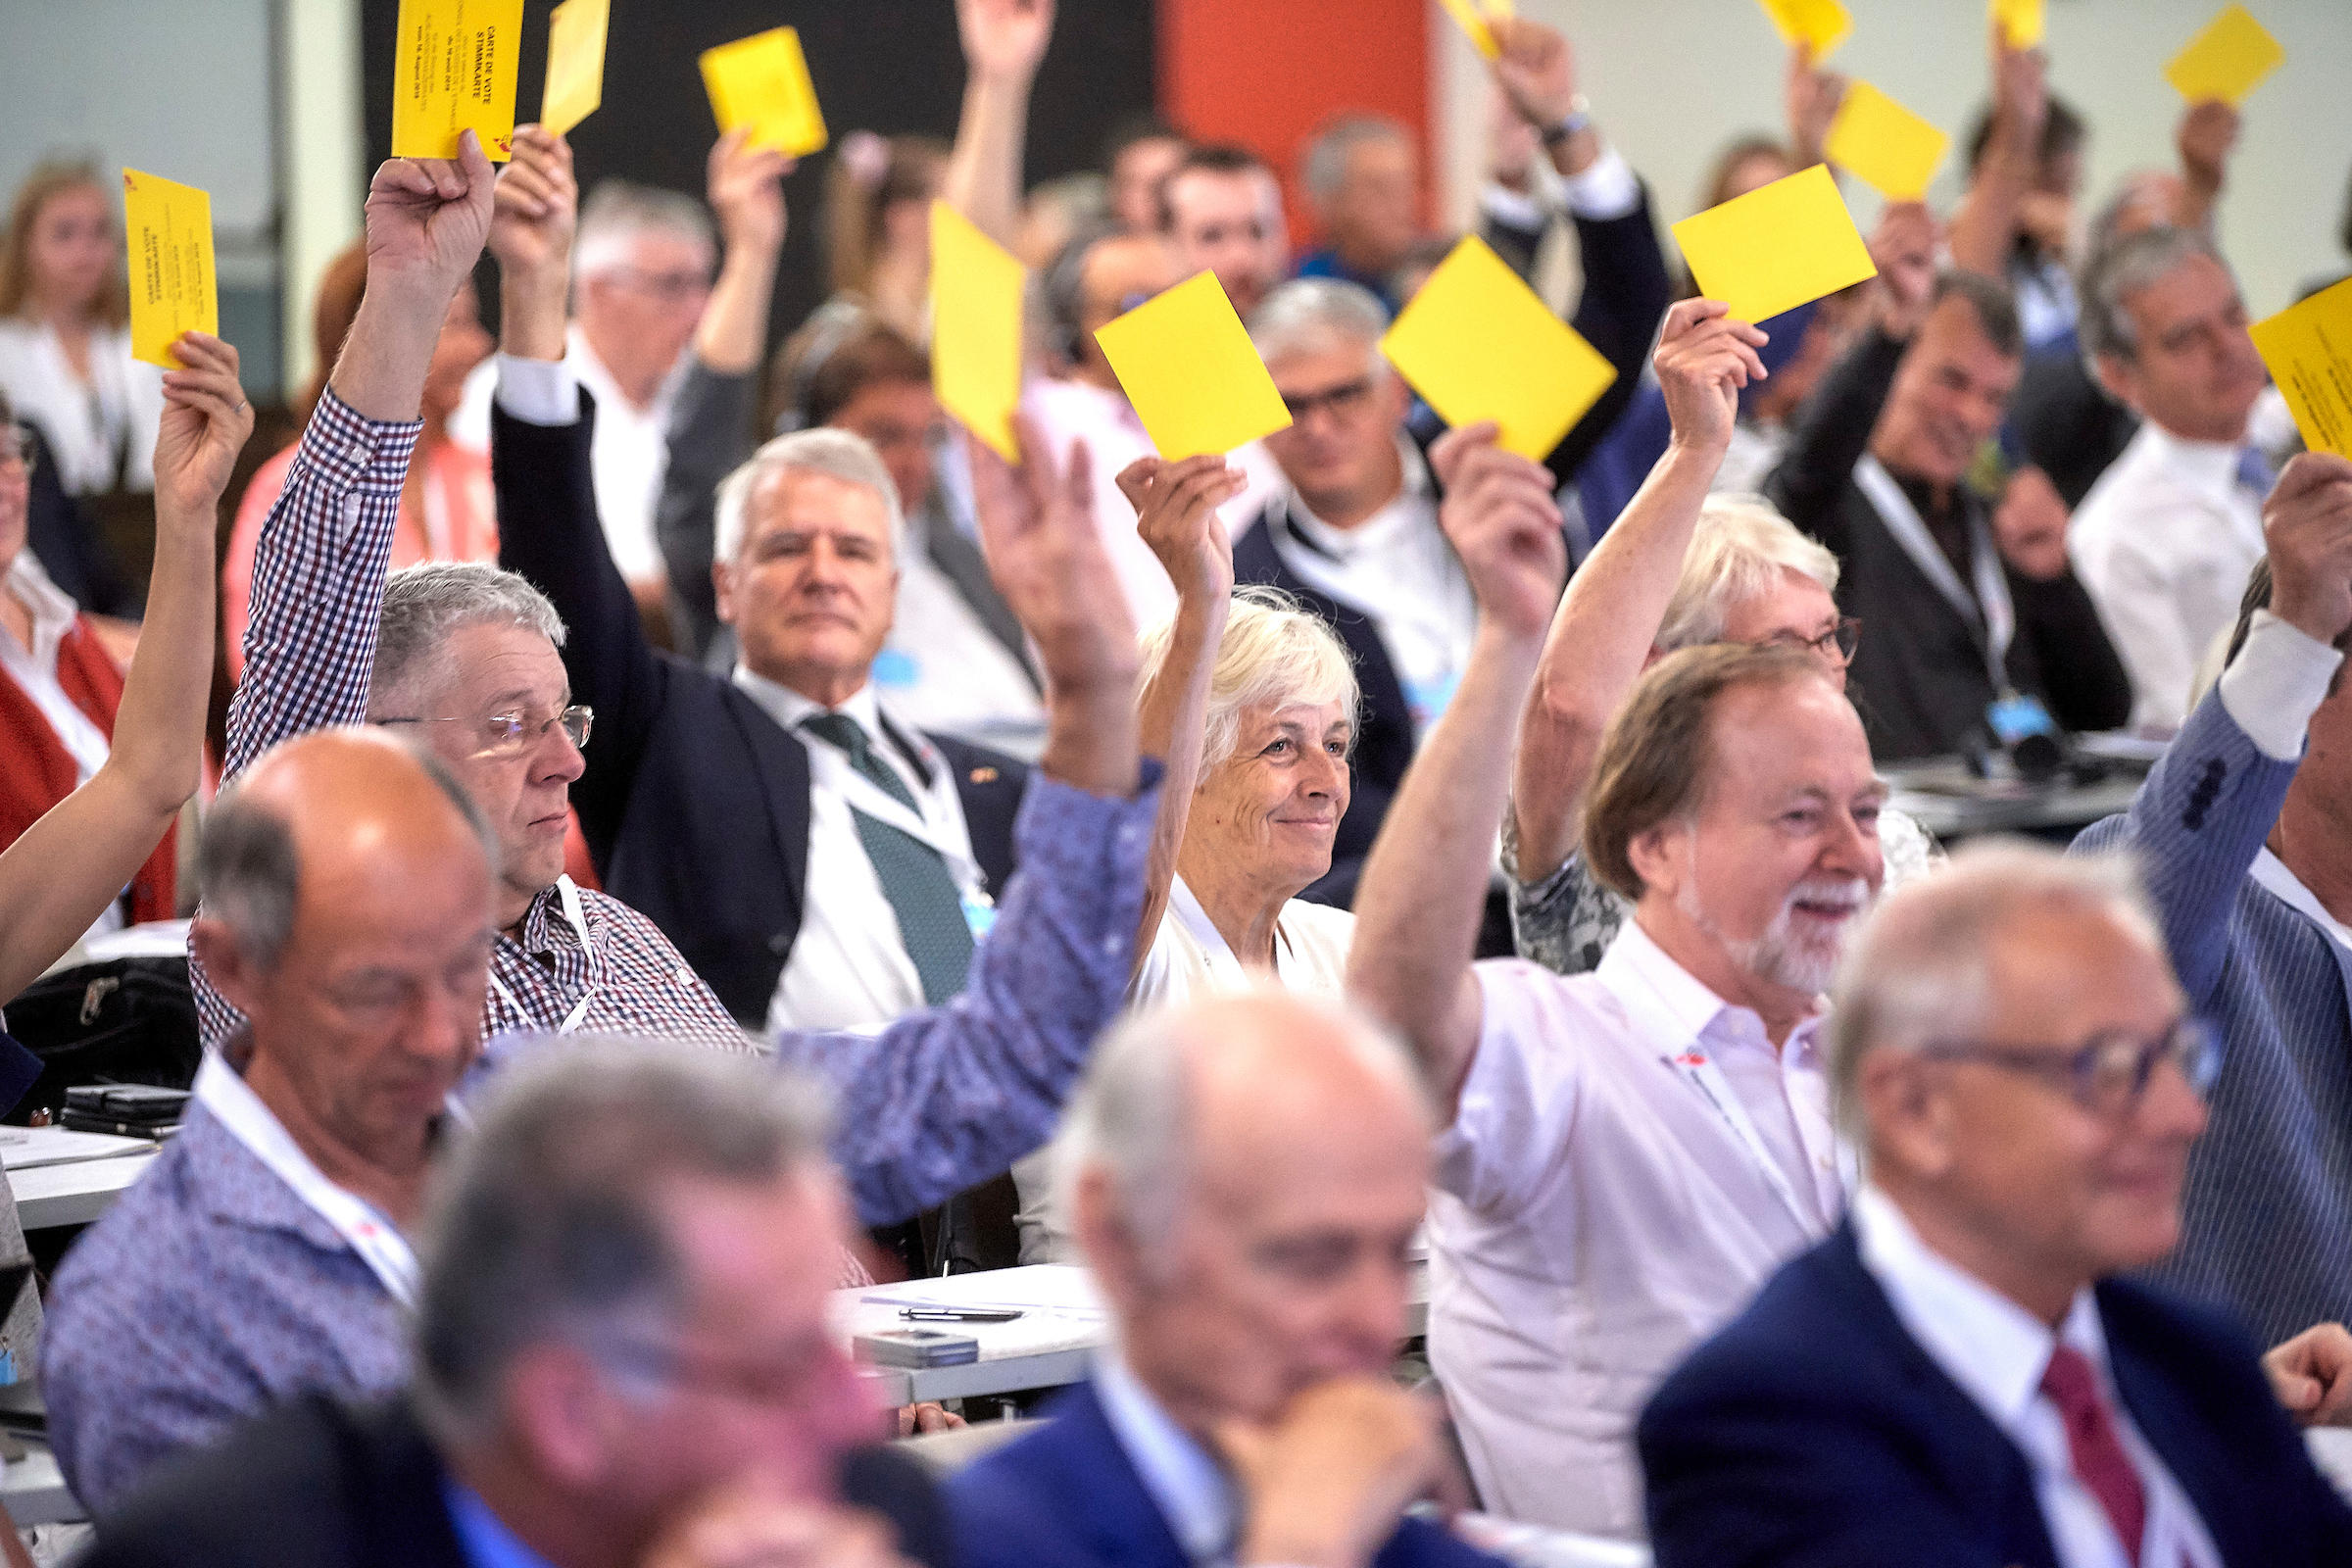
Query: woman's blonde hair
(1737, 552)
(1274, 653)
(47, 182)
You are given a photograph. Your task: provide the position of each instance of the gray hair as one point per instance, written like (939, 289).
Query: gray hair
(427, 603)
(1737, 553)
(1920, 971)
(546, 1224)
(842, 454)
(1132, 1113)
(250, 874)
(2134, 261)
(1274, 653)
(1324, 168)
(1308, 313)
(618, 211)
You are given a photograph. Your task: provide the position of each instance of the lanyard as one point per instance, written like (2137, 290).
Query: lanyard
(1989, 613)
(567, 894)
(380, 1246)
(1699, 1069)
(944, 830)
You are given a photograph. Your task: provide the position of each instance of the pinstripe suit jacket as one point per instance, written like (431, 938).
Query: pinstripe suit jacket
(2268, 1228)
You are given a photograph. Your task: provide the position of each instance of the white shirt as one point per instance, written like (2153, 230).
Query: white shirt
(2272, 872)
(1595, 1216)
(628, 455)
(1997, 1350)
(1066, 413)
(35, 670)
(2164, 542)
(1189, 1488)
(1398, 569)
(946, 671)
(88, 423)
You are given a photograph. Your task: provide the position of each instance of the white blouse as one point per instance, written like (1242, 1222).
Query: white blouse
(100, 431)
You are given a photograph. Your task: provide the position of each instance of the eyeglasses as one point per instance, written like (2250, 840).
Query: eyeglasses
(18, 446)
(2107, 1074)
(667, 288)
(1839, 641)
(1338, 401)
(782, 1386)
(511, 734)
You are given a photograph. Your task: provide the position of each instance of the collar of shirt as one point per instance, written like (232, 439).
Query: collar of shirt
(1191, 1490)
(606, 389)
(789, 707)
(52, 611)
(482, 1535)
(2272, 872)
(228, 1181)
(1403, 516)
(1672, 1007)
(2209, 468)
(546, 934)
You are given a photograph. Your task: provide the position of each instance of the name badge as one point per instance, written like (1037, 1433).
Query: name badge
(979, 913)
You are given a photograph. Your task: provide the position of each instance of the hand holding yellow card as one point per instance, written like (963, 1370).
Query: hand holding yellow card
(1823, 23)
(976, 328)
(763, 81)
(1463, 12)
(1478, 344)
(2308, 350)
(2021, 21)
(1189, 369)
(2226, 60)
(575, 63)
(453, 70)
(168, 230)
(1882, 143)
(1775, 247)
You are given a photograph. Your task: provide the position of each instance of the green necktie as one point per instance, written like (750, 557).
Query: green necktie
(913, 875)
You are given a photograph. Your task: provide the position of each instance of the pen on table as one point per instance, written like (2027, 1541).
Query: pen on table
(960, 1315)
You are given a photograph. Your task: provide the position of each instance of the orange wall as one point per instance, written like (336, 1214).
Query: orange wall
(1266, 73)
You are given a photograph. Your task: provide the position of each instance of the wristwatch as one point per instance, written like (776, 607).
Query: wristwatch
(1579, 117)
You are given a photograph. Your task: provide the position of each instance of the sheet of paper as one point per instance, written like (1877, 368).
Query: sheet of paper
(763, 81)
(575, 63)
(1189, 369)
(1823, 23)
(1777, 247)
(976, 289)
(1463, 12)
(167, 231)
(1884, 145)
(2308, 350)
(2224, 61)
(452, 70)
(2022, 21)
(1478, 344)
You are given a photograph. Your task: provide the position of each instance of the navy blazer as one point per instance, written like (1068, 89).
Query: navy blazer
(696, 802)
(1067, 1496)
(1814, 1432)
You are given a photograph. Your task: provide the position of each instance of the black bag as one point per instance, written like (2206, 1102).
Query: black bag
(128, 1021)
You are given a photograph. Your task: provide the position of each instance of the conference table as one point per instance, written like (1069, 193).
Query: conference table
(1954, 802)
(62, 1177)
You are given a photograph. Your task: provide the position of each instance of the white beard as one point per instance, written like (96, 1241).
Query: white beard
(1783, 955)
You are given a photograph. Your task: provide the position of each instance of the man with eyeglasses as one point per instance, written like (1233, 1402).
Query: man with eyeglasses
(1959, 1375)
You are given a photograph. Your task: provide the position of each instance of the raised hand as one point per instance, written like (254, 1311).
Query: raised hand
(2311, 1375)
(2308, 524)
(205, 425)
(428, 219)
(1703, 358)
(1045, 554)
(2029, 525)
(537, 203)
(1005, 38)
(2207, 135)
(746, 192)
(1176, 514)
(1535, 69)
(1504, 525)
(1904, 248)
(1327, 1482)
(1811, 96)
(2021, 100)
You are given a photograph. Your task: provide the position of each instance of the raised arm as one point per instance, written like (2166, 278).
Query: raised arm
(2207, 136)
(1810, 96)
(1424, 886)
(64, 870)
(1176, 512)
(1985, 228)
(1609, 620)
(1003, 42)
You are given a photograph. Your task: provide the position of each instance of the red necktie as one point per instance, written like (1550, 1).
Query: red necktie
(2098, 1450)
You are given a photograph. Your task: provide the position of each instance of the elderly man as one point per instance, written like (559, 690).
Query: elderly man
(2240, 828)
(1958, 1376)
(623, 1357)
(1361, 175)
(1246, 1176)
(1625, 1153)
(1978, 629)
(2165, 539)
(1220, 210)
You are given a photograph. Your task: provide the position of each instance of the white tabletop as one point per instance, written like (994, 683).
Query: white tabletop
(35, 1491)
(68, 1178)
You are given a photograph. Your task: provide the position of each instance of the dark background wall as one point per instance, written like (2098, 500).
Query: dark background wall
(879, 65)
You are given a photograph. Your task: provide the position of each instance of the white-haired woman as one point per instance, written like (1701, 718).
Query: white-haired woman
(1678, 568)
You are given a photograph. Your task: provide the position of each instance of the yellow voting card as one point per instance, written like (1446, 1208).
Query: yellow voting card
(1463, 12)
(2226, 60)
(1775, 247)
(1884, 145)
(975, 327)
(168, 227)
(2022, 22)
(1478, 344)
(1188, 367)
(575, 63)
(1501, 9)
(2308, 350)
(453, 70)
(763, 81)
(1823, 23)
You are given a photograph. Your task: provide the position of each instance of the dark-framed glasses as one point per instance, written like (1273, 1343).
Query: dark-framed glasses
(1341, 400)
(1839, 642)
(508, 734)
(2107, 1073)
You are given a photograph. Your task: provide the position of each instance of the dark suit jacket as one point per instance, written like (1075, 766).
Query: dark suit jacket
(324, 1483)
(1814, 1432)
(696, 802)
(1067, 1496)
